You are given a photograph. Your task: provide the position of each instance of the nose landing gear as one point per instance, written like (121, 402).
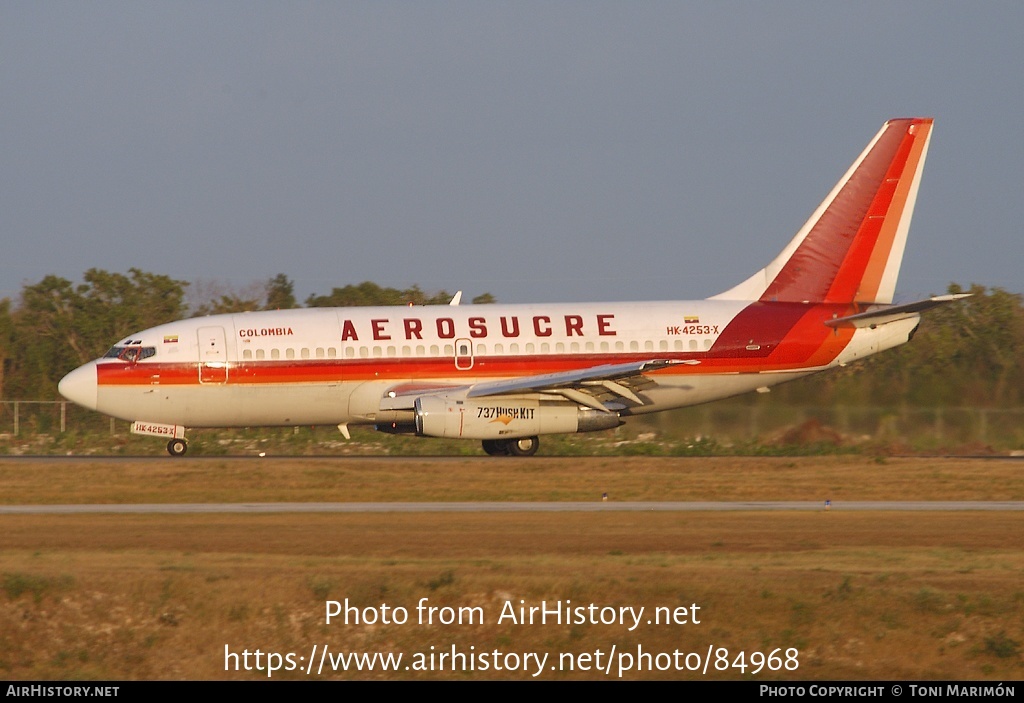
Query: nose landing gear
(177, 446)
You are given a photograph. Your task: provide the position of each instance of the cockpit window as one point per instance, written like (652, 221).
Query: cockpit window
(130, 354)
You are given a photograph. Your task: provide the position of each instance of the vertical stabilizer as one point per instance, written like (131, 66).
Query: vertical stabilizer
(851, 248)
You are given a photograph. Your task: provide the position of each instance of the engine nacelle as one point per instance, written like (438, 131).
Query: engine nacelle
(496, 418)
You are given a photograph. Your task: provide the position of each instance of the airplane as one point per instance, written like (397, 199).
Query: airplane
(507, 374)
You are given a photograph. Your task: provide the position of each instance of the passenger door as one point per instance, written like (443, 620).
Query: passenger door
(213, 357)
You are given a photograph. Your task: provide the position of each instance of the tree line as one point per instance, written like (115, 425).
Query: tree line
(968, 353)
(56, 325)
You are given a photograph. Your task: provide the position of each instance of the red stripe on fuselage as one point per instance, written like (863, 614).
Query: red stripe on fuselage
(783, 335)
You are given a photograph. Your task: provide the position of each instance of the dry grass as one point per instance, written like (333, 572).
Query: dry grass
(167, 480)
(861, 595)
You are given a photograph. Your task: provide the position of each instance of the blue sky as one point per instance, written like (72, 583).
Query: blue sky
(539, 151)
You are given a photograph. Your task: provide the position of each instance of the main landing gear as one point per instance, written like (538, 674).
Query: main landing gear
(523, 446)
(177, 446)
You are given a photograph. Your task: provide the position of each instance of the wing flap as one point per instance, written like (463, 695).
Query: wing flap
(598, 387)
(581, 380)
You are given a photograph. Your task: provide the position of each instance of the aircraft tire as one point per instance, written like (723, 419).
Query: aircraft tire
(524, 446)
(495, 447)
(177, 447)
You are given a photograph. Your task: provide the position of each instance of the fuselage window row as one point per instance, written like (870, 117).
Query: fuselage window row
(421, 350)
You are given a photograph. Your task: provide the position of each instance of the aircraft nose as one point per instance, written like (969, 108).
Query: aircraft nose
(79, 386)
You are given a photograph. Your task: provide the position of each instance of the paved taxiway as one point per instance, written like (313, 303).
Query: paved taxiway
(511, 507)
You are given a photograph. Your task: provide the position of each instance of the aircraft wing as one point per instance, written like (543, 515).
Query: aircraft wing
(600, 387)
(891, 313)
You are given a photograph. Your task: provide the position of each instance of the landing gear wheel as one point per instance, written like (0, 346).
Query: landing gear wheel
(177, 447)
(495, 447)
(524, 446)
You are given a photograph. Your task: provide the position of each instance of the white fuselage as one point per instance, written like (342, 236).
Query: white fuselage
(329, 366)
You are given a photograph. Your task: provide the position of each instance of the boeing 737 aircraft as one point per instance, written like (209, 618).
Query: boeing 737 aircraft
(505, 374)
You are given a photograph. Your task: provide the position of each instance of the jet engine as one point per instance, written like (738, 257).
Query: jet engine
(505, 418)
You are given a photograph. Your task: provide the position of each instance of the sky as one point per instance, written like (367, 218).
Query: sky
(538, 151)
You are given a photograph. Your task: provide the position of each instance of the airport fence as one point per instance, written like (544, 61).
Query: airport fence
(919, 428)
(31, 417)
(726, 423)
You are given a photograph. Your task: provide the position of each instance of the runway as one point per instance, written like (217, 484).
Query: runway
(514, 507)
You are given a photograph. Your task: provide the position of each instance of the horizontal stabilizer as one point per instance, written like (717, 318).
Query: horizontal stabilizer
(892, 313)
